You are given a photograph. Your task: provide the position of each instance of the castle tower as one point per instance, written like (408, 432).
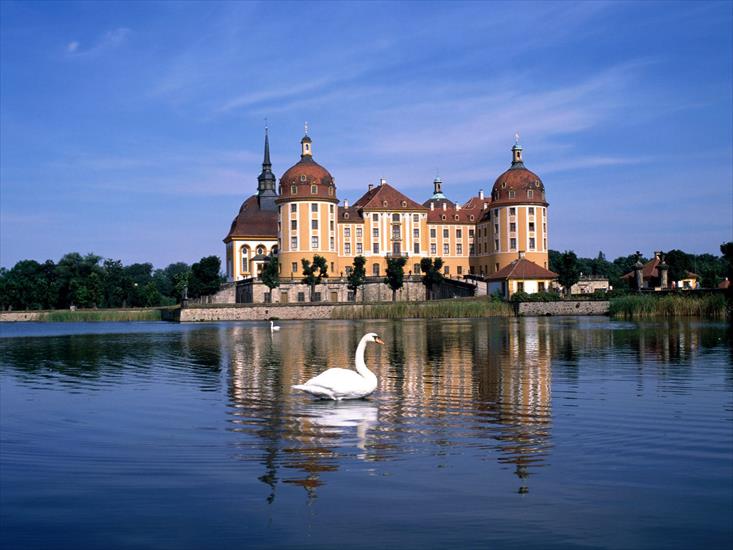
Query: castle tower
(307, 214)
(516, 221)
(266, 193)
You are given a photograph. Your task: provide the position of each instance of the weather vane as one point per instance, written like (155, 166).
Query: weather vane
(516, 138)
(306, 127)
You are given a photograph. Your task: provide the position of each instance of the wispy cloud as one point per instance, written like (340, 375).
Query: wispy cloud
(108, 41)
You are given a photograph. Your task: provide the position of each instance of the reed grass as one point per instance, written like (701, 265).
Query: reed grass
(710, 306)
(437, 309)
(86, 315)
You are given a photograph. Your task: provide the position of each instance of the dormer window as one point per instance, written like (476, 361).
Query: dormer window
(404, 204)
(314, 189)
(303, 177)
(530, 193)
(384, 203)
(471, 217)
(503, 185)
(293, 189)
(442, 216)
(346, 215)
(455, 217)
(330, 191)
(512, 194)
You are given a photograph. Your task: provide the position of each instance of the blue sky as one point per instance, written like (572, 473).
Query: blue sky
(135, 130)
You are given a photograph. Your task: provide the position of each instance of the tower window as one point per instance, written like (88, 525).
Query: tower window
(530, 193)
(294, 225)
(512, 211)
(513, 227)
(531, 210)
(512, 194)
(293, 189)
(293, 207)
(314, 207)
(314, 189)
(330, 191)
(314, 224)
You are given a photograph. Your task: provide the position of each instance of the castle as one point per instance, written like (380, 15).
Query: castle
(489, 237)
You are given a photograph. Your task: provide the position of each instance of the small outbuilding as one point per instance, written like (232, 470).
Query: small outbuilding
(521, 276)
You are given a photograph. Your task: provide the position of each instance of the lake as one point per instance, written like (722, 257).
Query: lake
(487, 433)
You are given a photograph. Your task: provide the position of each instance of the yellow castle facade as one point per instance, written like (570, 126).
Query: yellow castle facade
(302, 216)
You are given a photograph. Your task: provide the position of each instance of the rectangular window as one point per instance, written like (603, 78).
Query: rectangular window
(486, 229)
(445, 233)
(433, 249)
(471, 249)
(396, 218)
(512, 227)
(470, 233)
(530, 193)
(541, 286)
(358, 232)
(294, 225)
(512, 194)
(415, 267)
(347, 232)
(446, 249)
(416, 248)
(496, 245)
(330, 207)
(432, 232)
(314, 224)
(416, 233)
(293, 243)
(544, 244)
(459, 234)
(331, 246)
(375, 232)
(520, 286)
(496, 229)
(293, 207)
(375, 270)
(375, 248)
(512, 211)
(531, 243)
(544, 228)
(396, 249)
(293, 189)
(416, 218)
(349, 269)
(314, 243)
(446, 270)
(331, 225)
(358, 248)
(531, 210)
(460, 269)
(314, 207)
(301, 296)
(294, 267)
(512, 244)
(531, 226)
(375, 218)
(395, 232)
(314, 189)
(459, 249)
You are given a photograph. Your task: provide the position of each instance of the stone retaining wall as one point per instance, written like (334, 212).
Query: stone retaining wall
(16, 316)
(530, 309)
(254, 313)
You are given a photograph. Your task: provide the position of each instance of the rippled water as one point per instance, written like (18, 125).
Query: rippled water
(542, 433)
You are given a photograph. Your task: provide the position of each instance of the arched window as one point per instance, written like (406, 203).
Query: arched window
(260, 250)
(375, 270)
(274, 250)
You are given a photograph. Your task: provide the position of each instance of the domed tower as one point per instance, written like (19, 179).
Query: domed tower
(516, 221)
(307, 211)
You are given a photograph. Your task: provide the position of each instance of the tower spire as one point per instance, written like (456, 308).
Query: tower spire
(266, 181)
(517, 153)
(266, 162)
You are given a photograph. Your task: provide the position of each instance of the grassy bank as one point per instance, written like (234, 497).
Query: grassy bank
(710, 306)
(84, 315)
(438, 309)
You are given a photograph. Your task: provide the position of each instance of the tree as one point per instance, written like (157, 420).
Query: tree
(314, 272)
(74, 283)
(357, 276)
(270, 274)
(727, 250)
(568, 272)
(431, 274)
(395, 274)
(679, 264)
(205, 278)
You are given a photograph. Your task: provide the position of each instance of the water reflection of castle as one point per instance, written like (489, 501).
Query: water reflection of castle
(491, 378)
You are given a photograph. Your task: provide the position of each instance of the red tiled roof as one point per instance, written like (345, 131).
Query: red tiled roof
(522, 268)
(724, 284)
(253, 222)
(518, 180)
(305, 173)
(649, 270)
(351, 214)
(386, 197)
(451, 215)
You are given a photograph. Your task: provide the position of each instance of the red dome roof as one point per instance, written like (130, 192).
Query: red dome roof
(518, 186)
(303, 175)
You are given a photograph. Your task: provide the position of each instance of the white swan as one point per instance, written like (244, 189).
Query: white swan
(338, 384)
(273, 328)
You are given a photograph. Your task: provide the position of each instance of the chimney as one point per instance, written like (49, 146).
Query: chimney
(382, 181)
(458, 207)
(371, 187)
(481, 194)
(432, 205)
(444, 206)
(485, 206)
(521, 254)
(346, 203)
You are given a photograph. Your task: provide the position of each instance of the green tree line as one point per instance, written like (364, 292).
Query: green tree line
(711, 269)
(90, 281)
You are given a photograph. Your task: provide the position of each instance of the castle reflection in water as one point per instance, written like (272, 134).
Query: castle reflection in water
(490, 379)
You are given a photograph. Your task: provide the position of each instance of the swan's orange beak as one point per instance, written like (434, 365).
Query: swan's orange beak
(378, 340)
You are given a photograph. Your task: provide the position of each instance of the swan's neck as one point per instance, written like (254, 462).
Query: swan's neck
(361, 367)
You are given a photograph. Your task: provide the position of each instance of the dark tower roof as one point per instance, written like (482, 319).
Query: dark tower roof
(266, 181)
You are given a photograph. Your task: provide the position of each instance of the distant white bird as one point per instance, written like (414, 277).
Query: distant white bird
(273, 328)
(338, 384)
